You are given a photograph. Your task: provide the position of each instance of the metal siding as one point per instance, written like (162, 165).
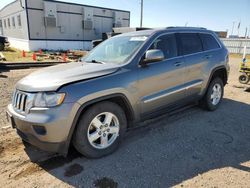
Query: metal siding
(237, 45)
(69, 24)
(70, 17)
(13, 10)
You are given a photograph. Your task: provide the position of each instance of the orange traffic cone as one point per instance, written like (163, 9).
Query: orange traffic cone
(34, 57)
(64, 57)
(23, 53)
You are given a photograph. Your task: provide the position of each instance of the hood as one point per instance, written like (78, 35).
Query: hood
(51, 78)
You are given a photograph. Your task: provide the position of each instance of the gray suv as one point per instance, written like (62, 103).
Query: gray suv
(126, 79)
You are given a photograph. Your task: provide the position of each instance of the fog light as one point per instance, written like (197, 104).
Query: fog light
(39, 129)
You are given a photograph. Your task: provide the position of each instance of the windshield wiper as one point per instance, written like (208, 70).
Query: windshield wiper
(95, 61)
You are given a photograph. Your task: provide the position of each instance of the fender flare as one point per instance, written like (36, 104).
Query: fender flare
(84, 106)
(212, 74)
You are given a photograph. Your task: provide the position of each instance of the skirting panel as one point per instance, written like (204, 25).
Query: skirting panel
(34, 45)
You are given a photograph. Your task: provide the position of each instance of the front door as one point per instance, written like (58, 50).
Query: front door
(161, 83)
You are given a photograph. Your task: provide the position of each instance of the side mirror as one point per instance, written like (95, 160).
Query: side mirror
(153, 56)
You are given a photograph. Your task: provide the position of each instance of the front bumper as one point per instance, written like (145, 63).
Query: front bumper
(47, 129)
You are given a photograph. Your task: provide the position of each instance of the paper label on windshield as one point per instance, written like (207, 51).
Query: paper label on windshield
(141, 38)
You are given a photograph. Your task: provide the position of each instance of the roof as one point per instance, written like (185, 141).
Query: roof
(69, 3)
(78, 4)
(8, 5)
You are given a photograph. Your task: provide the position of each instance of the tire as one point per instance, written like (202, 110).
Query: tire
(244, 79)
(1, 46)
(215, 88)
(95, 138)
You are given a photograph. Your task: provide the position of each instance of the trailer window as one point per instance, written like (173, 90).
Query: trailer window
(19, 21)
(4, 23)
(13, 22)
(8, 22)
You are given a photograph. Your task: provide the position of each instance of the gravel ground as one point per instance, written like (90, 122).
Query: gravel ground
(192, 148)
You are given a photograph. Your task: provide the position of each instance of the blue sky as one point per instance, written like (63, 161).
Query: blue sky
(212, 14)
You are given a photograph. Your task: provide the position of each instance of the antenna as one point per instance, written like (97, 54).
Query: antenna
(141, 13)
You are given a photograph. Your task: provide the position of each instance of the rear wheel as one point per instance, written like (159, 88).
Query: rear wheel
(214, 95)
(244, 79)
(100, 130)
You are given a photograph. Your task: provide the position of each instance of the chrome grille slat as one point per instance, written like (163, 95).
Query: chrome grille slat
(20, 100)
(24, 102)
(15, 99)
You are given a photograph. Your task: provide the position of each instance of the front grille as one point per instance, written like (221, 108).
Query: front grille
(20, 101)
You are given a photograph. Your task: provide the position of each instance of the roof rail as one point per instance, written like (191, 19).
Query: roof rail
(183, 27)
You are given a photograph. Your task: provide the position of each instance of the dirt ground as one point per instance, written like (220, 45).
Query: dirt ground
(192, 148)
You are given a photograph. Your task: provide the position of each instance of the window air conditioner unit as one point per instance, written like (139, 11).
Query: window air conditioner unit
(118, 24)
(87, 24)
(50, 21)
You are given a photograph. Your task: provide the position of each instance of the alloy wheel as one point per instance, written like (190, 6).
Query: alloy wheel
(216, 94)
(103, 130)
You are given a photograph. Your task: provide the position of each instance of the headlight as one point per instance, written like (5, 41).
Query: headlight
(50, 99)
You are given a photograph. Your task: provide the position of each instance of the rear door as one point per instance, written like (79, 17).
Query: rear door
(212, 49)
(161, 83)
(195, 61)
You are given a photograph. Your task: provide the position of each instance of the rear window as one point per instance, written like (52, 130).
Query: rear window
(190, 43)
(209, 42)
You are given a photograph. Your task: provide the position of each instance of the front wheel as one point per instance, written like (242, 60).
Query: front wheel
(100, 130)
(214, 95)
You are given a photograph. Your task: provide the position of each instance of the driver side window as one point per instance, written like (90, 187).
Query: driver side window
(167, 44)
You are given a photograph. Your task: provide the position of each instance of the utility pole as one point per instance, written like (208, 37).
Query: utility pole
(249, 32)
(246, 33)
(141, 13)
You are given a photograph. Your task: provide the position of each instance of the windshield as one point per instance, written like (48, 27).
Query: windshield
(115, 50)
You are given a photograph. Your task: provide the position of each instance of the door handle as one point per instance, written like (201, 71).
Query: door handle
(177, 64)
(208, 56)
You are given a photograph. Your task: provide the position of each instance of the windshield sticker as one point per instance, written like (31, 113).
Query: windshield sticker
(141, 38)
